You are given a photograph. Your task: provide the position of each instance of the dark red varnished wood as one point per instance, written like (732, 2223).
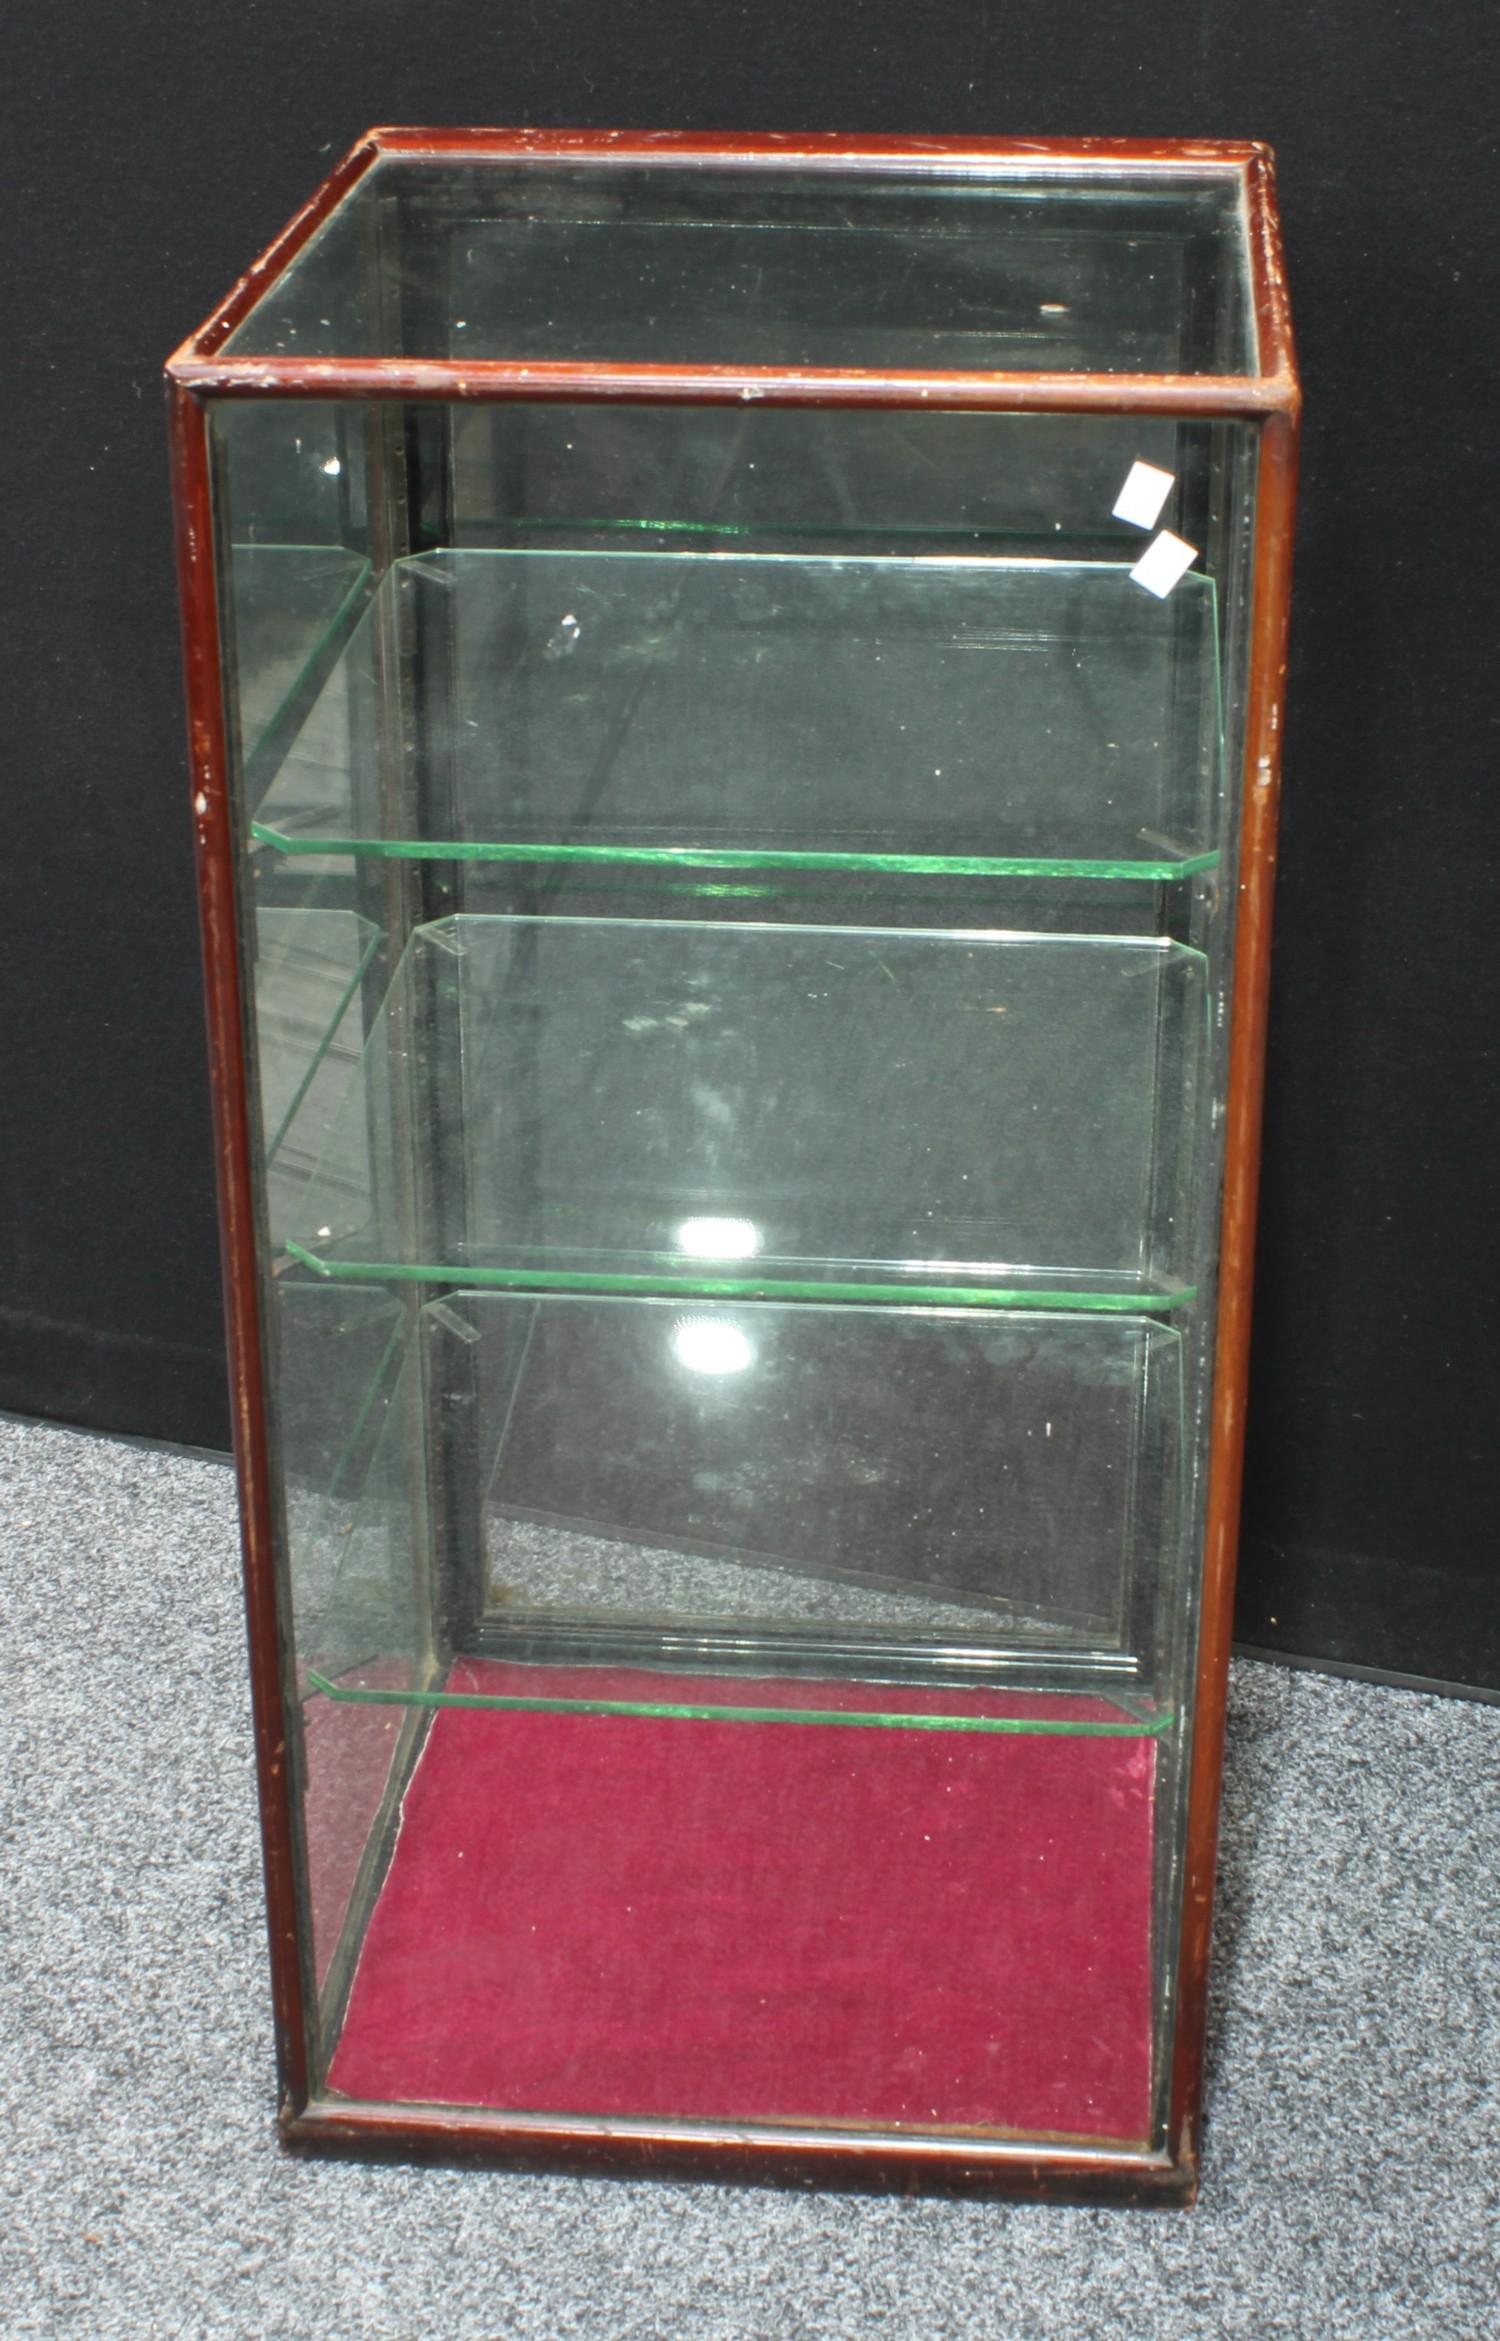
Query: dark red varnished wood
(479, 379)
(1268, 285)
(820, 149)
(750, 2155)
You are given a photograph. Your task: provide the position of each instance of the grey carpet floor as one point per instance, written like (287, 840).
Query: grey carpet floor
(1353, 2156)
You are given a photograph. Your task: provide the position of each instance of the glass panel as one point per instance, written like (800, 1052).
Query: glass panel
(732, 1109)
(753, 477)
(356, 1600)
(1004, 267)
(774, 711)
(985, 1699)
(948, 1475)
(287, 602)
(932, 1486)
(735, 905)
(309, 963)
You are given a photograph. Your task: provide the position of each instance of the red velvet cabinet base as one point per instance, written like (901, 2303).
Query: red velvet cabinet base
(735, 692)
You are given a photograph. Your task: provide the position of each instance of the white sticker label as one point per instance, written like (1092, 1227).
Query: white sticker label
(1145, 491)
(1164, 563)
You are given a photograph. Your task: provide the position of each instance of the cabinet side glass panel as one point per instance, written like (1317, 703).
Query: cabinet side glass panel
(735, 907)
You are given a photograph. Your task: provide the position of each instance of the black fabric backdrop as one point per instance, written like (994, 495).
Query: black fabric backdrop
(149, 149)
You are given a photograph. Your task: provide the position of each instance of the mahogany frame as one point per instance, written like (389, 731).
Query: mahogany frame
(200, 372)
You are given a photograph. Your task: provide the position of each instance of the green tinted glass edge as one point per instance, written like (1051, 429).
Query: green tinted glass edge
(685, 857)
(566, 1280)
(518, 1704)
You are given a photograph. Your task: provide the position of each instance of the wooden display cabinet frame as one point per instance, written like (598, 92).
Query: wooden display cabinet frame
(200, 372)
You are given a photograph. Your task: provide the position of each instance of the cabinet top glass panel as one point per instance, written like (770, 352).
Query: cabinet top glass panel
(543, 249)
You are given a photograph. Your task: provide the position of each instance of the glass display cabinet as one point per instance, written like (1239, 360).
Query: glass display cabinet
(735, 692)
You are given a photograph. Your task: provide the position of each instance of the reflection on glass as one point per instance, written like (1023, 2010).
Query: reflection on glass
(709, 1345)
(713, 1238)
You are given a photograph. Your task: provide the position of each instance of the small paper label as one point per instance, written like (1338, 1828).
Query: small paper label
(1145, 491)
(1164, 563)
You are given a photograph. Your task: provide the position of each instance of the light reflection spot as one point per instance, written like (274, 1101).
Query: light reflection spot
(712, 1345)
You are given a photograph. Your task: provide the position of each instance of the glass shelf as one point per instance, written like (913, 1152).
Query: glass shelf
(675, 1105)
(1076, 1718)
(963, 717)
